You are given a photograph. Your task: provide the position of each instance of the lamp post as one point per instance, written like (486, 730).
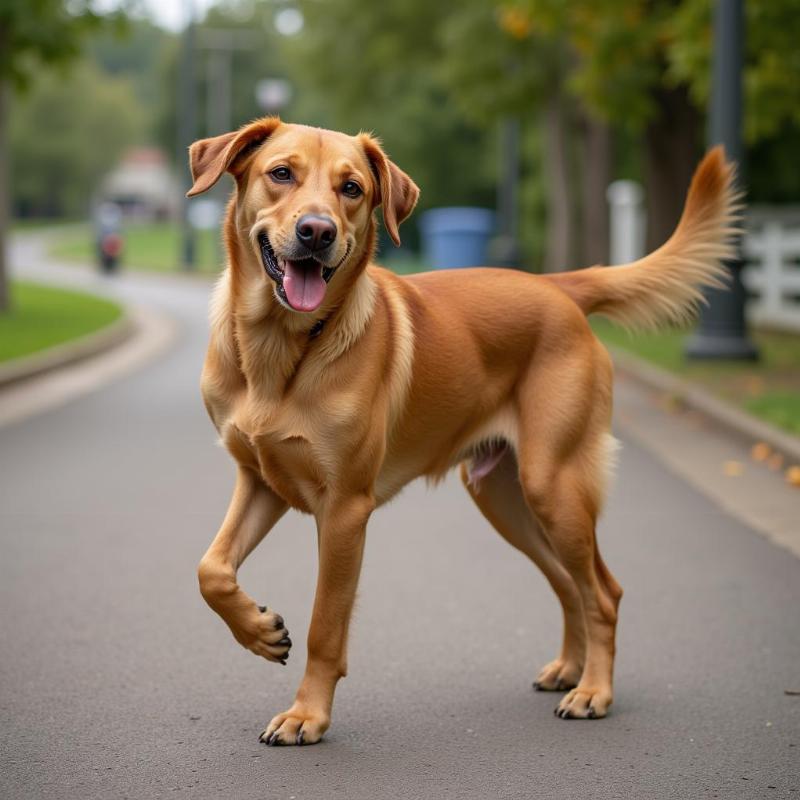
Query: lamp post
(187, 130)
(504, 250)
(722, 332)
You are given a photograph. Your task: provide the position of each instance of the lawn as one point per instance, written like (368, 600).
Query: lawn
(152, 246)
(769, 389)
(156, 246)
(42, 317)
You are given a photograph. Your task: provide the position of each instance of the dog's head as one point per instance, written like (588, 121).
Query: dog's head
(305, 200)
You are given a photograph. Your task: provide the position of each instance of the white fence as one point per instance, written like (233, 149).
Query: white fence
(772, 274)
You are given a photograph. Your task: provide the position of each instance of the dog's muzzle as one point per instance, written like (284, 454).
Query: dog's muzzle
(300, 283)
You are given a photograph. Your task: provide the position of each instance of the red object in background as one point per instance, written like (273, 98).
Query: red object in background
(111, 245)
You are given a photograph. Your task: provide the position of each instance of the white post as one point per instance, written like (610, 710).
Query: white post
(627, 221)
(772, 270)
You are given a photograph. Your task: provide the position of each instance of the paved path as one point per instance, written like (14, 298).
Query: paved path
(116, 680)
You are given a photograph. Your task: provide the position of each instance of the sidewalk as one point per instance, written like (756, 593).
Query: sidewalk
(709, 453)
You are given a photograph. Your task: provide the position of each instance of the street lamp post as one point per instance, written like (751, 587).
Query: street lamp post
(504, 250)
(187, 130)
(722, 332)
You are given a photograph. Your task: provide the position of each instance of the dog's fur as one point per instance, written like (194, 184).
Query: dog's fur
(495, 370)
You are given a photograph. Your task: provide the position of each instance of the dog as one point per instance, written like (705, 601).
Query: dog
(333, 383)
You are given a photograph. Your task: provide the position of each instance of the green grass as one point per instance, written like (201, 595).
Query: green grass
(152, 246)
(41, 317)
(769, 389)
(35, 224)
(156, 246)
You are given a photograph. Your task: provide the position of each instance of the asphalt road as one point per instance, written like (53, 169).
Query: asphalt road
(117, 681)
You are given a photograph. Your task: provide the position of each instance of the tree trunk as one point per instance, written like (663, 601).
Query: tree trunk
(595, 177)
(557, 256)
(5, 96)
(672, 150)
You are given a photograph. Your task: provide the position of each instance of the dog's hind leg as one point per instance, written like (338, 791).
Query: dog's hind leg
(253, 511)
(563, 452)
(499, 497)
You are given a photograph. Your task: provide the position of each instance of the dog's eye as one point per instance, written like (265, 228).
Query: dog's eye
(351, 189)
(281, 174)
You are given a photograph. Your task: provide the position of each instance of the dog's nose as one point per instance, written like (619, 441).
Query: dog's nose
(315, 232)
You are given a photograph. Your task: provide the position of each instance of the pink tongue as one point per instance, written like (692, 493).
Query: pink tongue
(304, 286)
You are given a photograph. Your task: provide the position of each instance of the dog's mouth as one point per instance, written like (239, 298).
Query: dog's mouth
(300, 283)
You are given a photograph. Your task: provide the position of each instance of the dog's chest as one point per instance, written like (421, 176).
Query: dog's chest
(298, 448)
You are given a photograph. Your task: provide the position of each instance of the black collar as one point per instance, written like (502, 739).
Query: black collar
(316, 328)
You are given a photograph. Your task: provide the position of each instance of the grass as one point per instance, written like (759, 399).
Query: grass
(37, 223)
(154, 246)
(41, 317)
(768, 389)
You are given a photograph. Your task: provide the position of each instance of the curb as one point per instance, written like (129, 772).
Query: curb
(738, 422)
(70, 352)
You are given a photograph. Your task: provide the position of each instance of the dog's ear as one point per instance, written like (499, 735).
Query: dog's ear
(396, 192)
(209, 158)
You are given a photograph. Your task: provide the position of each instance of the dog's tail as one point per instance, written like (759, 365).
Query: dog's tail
(665, 287)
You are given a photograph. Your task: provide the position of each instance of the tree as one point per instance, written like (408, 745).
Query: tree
(33, 33)
(645, 66)
(375, 66)
(55, 175)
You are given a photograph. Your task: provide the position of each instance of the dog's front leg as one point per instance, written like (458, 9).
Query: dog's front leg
(253, 511)
(341, 527)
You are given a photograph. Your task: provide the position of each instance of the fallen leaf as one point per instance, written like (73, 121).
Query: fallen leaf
(733, 469)
(761, 451)
(793, 475)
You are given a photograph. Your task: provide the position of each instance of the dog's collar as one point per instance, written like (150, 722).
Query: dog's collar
(316, 328)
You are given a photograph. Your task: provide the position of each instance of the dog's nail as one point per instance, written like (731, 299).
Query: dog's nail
(278, 622)
(537, 686)
(591, 713)
(300, 737)
(286, 641)
(262, 609)
(262, 737)
(283, 661)
(273, 739)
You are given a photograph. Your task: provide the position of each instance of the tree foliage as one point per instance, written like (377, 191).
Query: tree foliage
(36, 32)
(624, 52)
(63, 145)
(375, 66)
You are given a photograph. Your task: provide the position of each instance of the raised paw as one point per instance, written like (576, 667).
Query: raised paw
(584, 703)
(263, 632)
(296, 726)
(558, 676)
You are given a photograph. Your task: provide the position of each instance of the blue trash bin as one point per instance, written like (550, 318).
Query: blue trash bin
(456, 237)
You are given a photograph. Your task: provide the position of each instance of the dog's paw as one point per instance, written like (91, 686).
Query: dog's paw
(296, 726)
(264, 633)
(584, 702)
(558, 676)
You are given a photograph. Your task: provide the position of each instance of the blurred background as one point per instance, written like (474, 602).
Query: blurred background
(562, 134)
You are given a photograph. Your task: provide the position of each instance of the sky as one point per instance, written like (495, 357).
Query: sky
(167, 13)
(172, 14)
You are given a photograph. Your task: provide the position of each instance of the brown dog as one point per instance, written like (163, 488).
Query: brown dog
(333, 383)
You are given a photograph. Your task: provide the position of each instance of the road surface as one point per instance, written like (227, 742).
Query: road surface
(117, 681)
